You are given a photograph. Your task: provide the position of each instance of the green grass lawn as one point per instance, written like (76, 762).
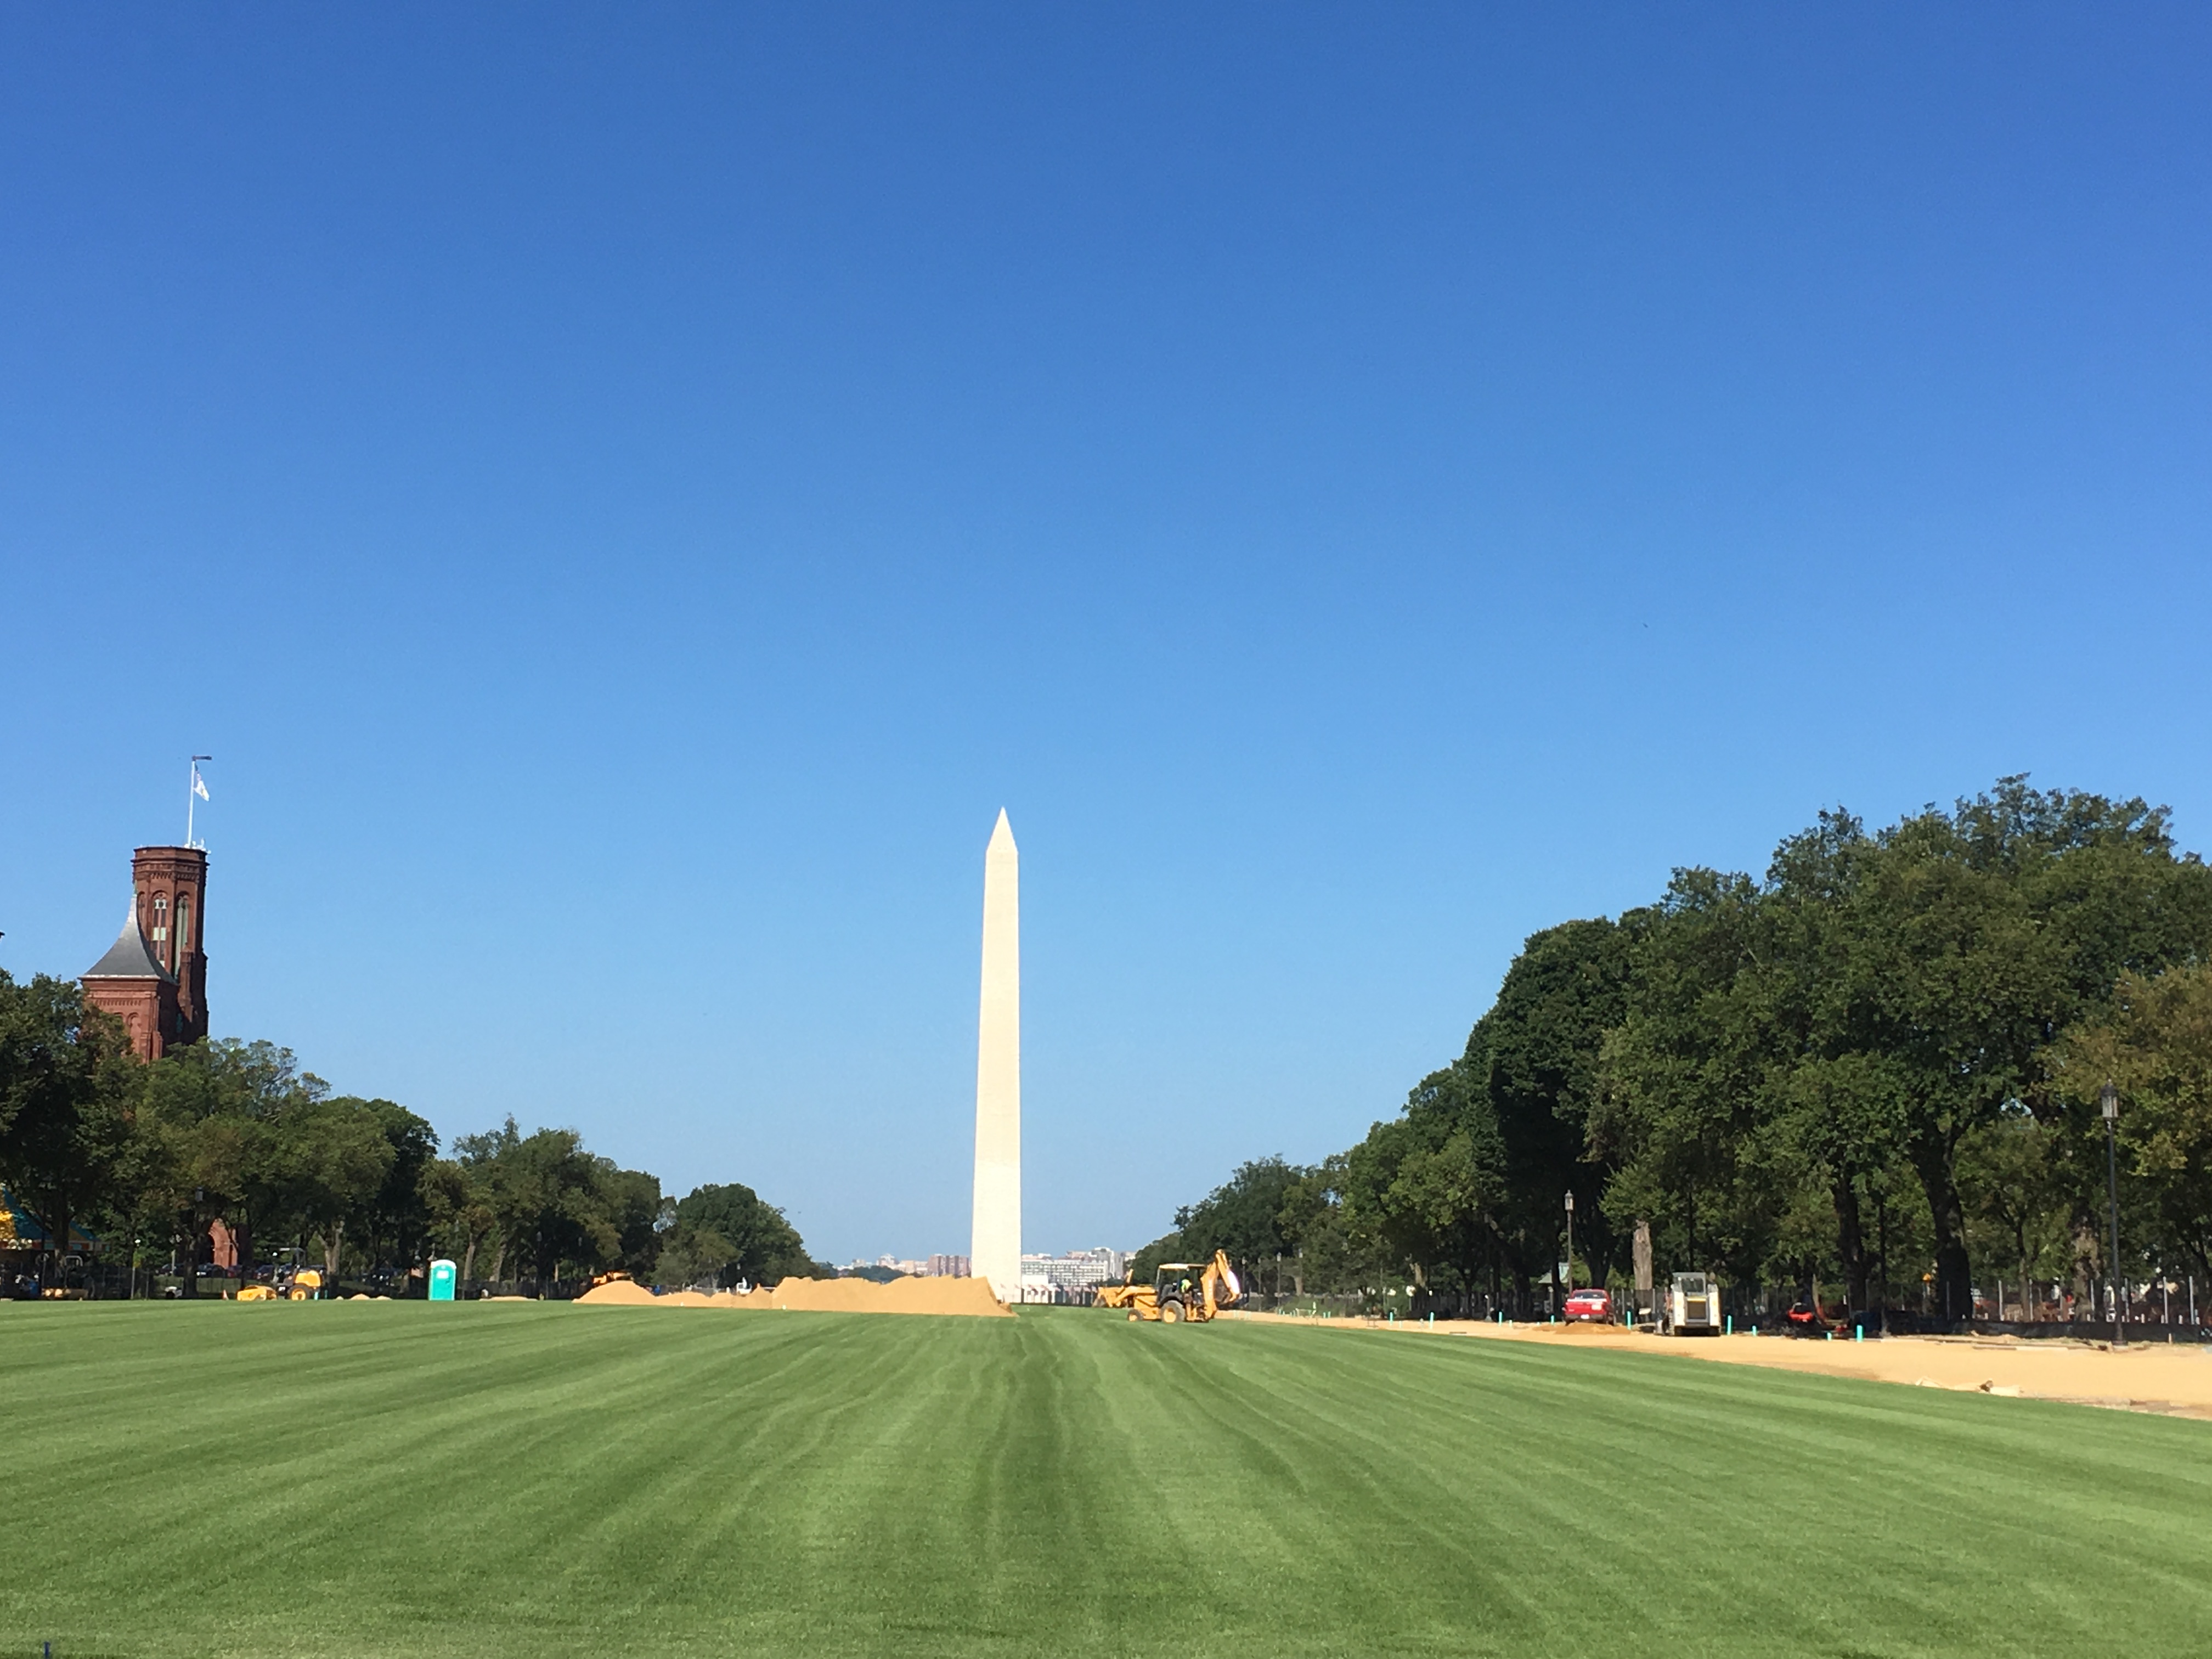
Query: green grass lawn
(374, 1479)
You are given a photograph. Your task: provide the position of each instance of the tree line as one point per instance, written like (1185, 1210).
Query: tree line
(144, 1159)
(1872, 1072)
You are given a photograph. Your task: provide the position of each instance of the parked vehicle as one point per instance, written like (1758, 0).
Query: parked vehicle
(1694, 1306)
(1805, 1319)
(1590, 1307)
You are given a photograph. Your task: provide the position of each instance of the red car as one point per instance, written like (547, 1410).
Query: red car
(1592, 1307)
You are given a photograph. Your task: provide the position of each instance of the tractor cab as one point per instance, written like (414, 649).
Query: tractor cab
(1174, 1288)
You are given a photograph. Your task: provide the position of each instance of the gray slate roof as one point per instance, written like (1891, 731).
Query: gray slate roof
(130, 957)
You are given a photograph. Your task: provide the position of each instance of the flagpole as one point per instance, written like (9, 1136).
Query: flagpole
(190, 790)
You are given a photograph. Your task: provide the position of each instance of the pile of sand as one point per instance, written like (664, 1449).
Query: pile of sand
(901, 1296)
(622, 1292)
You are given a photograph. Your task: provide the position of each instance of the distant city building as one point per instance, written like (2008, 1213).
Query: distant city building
(1078, 1269)
(890, 1264)
(946, 1267)
(1073, 1276)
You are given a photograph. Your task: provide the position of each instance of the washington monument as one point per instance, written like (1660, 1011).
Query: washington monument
(995, 1250)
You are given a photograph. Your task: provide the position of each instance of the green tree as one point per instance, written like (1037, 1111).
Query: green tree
(1242, 1217)
(456, 1201)
(332, 1158)
(547, 1196)
(1879, 1001)
(1977, 936)
(1686, 1107)
(1837, 1108)
(1855, 1057)
(638, 1214)
(693, 1256)
(729, 1231)
(2154, 1044)
(393, 1222)
(1320, 1254)
(1534, 1059)
(2013, 1182)
(68, 1090)
(219, 1108)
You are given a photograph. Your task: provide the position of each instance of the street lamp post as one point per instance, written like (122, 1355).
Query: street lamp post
(192, 1287)
(1570, 1241)
(2108, 1099)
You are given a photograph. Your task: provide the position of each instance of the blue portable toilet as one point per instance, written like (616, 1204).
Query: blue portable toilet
(442, 1280)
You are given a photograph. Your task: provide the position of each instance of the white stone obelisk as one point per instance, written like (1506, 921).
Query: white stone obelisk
(996, 1247)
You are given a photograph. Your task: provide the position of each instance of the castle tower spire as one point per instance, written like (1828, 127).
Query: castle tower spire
(131, 983)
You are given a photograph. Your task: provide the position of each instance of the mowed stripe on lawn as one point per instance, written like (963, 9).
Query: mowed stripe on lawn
(371, 1478)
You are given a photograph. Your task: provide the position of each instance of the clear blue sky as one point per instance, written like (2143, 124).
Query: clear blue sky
(626, 493)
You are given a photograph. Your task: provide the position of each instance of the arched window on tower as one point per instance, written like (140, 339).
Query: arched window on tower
(184, 929)
(162, 928)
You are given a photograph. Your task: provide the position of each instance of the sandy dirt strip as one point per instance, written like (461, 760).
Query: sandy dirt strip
(2173, 1379)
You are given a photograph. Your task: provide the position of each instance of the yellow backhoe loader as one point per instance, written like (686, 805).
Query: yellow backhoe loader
(290, 1280)
(1180, 1290)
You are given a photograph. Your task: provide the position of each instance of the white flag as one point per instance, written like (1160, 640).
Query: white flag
(199, 784)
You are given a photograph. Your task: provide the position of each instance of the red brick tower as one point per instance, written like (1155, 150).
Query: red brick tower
(171, 885)
(153, 977)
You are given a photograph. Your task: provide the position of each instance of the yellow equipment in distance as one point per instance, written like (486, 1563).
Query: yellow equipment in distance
(1180, 1290)
(287, 1282)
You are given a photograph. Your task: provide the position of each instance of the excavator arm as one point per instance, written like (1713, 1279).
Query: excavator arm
(1220, 1285)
